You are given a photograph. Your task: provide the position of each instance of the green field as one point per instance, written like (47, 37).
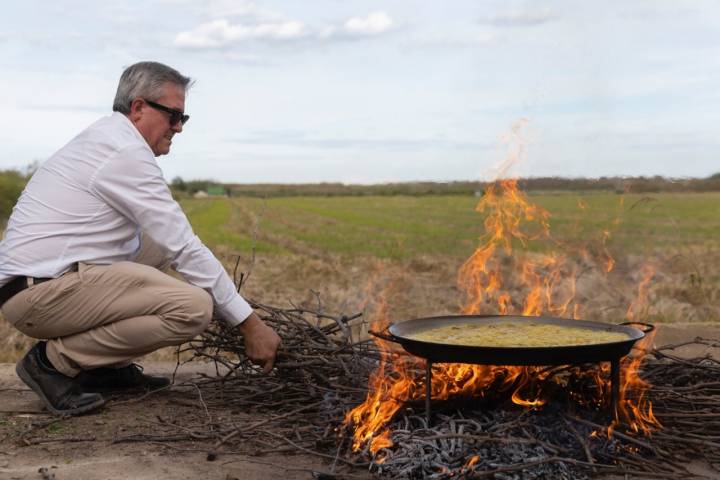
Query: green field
(404, 227)
(341, 244)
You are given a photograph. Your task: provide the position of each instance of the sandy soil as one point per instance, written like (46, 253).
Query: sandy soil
(81, 448)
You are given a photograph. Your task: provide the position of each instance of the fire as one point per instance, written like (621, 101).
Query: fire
(390, 386)
(547, 284)
(637, 411)
(470, 465)
(609, 260)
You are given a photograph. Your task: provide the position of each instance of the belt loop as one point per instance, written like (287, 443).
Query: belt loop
(30, 281)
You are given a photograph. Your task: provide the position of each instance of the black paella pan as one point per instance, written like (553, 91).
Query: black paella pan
(521, 356)
(403, 332)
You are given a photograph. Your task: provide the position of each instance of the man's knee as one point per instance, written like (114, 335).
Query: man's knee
(193, 314)
(201, 309)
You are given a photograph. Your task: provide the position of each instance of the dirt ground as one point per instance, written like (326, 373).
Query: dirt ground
(82, 448)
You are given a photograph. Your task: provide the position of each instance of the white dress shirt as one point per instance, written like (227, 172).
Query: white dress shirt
(90, 201)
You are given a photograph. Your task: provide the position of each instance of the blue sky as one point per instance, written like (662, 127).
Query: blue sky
(377, 91)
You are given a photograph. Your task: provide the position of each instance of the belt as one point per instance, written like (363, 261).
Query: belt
(17, 285)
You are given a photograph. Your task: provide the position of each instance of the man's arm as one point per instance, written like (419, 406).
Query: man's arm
(133, 184)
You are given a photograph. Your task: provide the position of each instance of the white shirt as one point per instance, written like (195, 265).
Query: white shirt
(90, 201)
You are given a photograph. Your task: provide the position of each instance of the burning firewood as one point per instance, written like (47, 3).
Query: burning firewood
(322, 373)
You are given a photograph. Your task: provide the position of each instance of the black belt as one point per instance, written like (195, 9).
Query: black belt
(17, 285)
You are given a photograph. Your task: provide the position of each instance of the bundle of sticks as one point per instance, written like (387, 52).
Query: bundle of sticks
(322, 372)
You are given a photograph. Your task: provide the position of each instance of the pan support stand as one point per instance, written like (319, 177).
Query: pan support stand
(615, 385)
(428, 390)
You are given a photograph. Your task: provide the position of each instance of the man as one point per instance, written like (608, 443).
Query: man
(80, 264)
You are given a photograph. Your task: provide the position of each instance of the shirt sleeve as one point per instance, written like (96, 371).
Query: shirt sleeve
(132, 183)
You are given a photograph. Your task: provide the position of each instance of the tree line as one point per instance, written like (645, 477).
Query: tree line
(12, 183)
(538, 184)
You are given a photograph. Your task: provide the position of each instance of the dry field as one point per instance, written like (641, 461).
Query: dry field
(345, 254)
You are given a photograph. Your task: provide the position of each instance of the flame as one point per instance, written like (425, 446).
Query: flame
(609, 260)
(547, 282)
(390, 386)
(633, 406)
(469, 465)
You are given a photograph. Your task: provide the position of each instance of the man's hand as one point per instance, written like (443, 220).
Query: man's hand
(261, 342)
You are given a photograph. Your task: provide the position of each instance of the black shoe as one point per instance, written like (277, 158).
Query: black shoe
(119, 379)
(60, 393)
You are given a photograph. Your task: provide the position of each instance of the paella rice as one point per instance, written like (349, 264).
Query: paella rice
(520, 334)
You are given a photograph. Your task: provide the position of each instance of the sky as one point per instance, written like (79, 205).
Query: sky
(379, 91)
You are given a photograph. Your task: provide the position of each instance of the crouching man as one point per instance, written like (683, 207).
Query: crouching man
(82, 260)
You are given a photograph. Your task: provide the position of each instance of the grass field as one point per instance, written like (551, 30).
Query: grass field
(349, 252)
(338, 245)
(405, 227)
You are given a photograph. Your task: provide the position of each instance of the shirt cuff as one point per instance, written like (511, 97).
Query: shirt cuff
(236, 311)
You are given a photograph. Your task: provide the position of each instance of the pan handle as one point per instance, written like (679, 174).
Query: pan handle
(645, 331)
(384, 334)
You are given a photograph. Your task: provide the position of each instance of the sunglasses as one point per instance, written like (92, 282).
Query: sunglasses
(175, 115)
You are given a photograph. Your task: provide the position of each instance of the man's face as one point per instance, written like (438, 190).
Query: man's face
(154, 124)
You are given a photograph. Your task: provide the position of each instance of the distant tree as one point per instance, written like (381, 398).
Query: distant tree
(178, 184)
(197, 185)
(12, 183)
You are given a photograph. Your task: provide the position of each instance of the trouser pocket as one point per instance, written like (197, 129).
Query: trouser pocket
(20, 309)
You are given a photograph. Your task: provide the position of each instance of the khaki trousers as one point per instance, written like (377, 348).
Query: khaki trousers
(108, 315)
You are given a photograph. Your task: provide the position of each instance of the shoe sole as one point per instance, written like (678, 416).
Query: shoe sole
(140, 389)
(144, 387)
(25, 377)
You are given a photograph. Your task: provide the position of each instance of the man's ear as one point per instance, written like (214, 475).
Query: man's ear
(136, 109)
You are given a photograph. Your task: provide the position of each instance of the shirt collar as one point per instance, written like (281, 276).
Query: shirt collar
(123, 119)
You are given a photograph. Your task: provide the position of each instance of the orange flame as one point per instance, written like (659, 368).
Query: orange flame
(469, 465)
(636, 410)
(609, 260)
(390, 386)
(548, 281)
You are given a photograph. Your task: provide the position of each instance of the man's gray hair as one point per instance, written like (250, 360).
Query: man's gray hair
(145, 80)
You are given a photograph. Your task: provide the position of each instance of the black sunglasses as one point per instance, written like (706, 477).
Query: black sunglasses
(175, 115)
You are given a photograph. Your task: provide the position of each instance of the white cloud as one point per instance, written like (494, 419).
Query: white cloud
(220, 33)
(374, 24)
(524, 17)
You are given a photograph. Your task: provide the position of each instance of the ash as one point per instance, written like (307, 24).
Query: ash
(502, 441)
